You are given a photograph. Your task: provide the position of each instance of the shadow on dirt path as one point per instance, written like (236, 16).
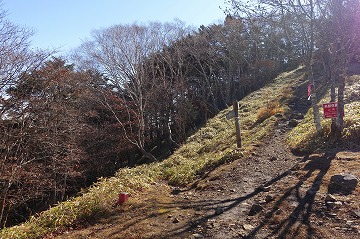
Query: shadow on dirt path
(270, 194)
(300, 215)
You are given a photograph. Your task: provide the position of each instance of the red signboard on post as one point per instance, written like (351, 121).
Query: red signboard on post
(330, 110)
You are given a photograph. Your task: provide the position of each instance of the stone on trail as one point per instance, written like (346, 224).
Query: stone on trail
(273, 158)
(356, 213)
(255, 209)
(248, 227)
(348, 156)
(219, 210)
(197, 235)
(269, 198)
(330, 198)
(342, 184)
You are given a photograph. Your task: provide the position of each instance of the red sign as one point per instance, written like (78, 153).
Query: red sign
(330, 110)
(309, 89)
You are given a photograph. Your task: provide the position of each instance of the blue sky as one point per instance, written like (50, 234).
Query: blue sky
(65, 23)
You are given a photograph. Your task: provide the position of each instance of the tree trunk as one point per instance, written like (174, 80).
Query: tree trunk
(333, 99)
(340, 116)
(148, 155)
(314, 105)
(3, 208)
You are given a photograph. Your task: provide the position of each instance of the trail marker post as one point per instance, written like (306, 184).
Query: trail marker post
(237, 123)
(235, 114)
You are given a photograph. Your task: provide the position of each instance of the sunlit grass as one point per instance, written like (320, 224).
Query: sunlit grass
(211, 146)
(305, 138)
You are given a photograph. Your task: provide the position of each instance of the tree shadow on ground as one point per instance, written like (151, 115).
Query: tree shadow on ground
(295, 220)
(215, 207)
(300, 216)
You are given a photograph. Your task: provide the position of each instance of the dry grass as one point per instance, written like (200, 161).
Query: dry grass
(270, 109)
(305, 138)
(211, 146)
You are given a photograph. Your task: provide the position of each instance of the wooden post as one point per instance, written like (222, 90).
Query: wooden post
(237, 123)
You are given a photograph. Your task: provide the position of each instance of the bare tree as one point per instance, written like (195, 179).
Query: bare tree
(16, 58)
(343, 23)
(119, 52)
(305, 15)
(39, 148)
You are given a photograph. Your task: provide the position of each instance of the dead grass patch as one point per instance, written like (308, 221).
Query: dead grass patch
(270, 109)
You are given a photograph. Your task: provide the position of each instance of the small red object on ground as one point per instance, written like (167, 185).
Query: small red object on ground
(123, 197)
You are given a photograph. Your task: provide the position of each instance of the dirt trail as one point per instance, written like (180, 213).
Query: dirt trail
(231, 191)
(270, 194)
(216, 207)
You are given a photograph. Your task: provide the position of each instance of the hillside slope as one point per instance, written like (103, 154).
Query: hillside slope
(260, 191)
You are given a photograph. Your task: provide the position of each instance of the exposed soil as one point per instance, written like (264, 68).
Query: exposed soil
(270, 194)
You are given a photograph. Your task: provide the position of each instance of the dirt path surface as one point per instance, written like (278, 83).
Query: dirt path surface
(270, 194)
(231, 196)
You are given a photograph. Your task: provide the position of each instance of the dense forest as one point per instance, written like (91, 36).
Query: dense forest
(133, 93)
